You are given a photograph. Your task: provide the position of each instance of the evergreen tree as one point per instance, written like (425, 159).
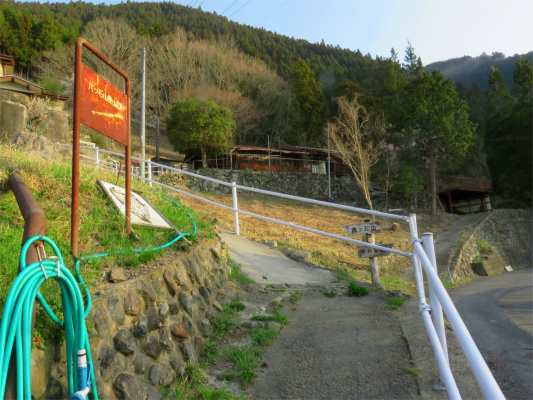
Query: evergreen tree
(429, 118)
(508, 139)
(200, 125)
(310, 101)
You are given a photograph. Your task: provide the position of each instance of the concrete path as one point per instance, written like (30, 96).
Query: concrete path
(338, 348)
(498, 312)
(344, 347)
(269, 265)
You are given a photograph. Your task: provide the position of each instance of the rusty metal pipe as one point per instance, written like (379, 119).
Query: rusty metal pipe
(34, 224)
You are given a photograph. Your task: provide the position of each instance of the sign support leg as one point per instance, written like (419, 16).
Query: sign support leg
(374, 267)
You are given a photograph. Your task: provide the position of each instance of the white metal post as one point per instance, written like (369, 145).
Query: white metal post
(150, 173)
(235, 209)
(419, 276)
(97, 156)
(436, 307)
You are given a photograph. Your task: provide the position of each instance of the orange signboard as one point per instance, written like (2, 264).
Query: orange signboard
(104, 107)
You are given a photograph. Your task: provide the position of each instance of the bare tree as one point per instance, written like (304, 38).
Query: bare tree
(352, 135)
(179, 68)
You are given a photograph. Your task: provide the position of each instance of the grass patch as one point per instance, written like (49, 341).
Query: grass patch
(343, 276)
(355, 290)
(225, 376)
(195, 374)
(236, 304)
(278, 316)
(394, 303)
(246, 362)
(263, 336)
(211, 352)
(237, 275)
(330, 292)
(412, 371)
(223, 323)
(191, 386)
(295, 296)
(447, 284)
(484, 247)
(280, 290)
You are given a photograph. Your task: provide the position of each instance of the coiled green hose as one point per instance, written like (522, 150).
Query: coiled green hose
(18, 310)
(17, 318)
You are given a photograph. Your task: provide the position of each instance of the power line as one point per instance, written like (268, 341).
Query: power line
(228, 7)
(272, 13)
(199, 5)
(239, 9)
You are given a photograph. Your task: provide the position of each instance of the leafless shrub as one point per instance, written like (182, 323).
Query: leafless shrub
(352, 135)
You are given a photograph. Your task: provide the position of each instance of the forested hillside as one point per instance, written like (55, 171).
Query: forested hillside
(421, 125)
(47, 25)
(475, 70)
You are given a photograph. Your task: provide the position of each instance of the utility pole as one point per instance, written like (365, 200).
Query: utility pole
(268, 137)
(157, 142)
(329, 168)
(143, 114)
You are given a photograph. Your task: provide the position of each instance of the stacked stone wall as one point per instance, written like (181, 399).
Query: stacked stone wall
(143, 330)
(508, 233)
(302, 184)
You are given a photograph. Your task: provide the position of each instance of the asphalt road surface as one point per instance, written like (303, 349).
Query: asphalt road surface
(498, 312)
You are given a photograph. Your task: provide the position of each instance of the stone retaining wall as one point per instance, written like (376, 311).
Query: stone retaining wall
(144, 329)
(508, 233)
(302, 184)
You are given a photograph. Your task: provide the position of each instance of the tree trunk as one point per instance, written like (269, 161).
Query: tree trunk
(204, 159)
(432, 172)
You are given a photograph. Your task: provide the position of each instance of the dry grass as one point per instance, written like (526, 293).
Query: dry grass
(327, 252)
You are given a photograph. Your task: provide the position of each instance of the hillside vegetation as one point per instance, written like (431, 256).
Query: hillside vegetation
(469, 71)
(283, 91)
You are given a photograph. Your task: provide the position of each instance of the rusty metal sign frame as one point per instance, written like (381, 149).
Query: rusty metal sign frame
(78, 119)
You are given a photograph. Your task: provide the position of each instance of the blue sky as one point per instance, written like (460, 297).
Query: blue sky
(437, 29)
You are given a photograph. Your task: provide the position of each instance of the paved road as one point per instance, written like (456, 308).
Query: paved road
(498, 313)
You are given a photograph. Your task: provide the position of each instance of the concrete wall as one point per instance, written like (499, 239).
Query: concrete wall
(508, 233)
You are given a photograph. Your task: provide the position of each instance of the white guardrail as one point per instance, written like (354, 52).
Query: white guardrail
(423, 257)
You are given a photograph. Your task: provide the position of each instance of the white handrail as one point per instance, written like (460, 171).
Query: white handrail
(251, 189)
(486, 381)
(420, 258)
